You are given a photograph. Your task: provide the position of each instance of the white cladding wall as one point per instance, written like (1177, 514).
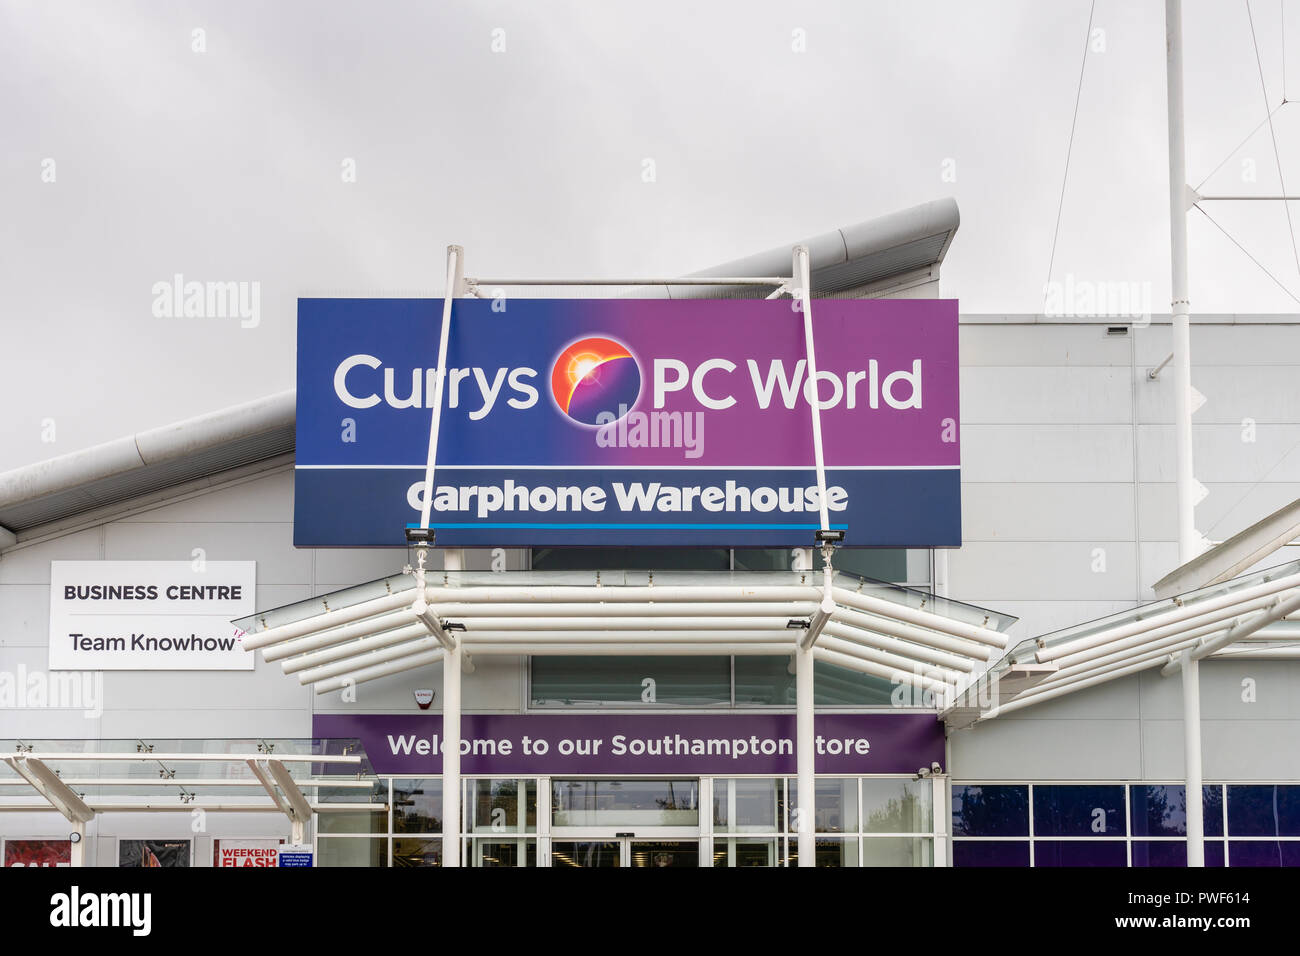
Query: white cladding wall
(1067, 458)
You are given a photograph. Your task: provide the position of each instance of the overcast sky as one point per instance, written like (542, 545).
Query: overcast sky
(127, 157)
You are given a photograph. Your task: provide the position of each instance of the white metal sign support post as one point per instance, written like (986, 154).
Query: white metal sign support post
(805, 752)
(453, 657)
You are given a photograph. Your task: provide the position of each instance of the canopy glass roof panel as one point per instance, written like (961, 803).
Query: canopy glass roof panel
(164, 770)
(397, 583)
(1025, 651)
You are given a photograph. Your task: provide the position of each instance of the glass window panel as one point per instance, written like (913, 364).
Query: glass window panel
(631, 559)
(1173, 853)
(763, 680)
(897, 851)
(1262, 852)
(352, 852)
(766, 680)
(377, 792)
(1079, 852)
(1263, 811)
(582, 681)
(836, 804)
(990, 853)
(1213, 810)
(1159, 853)
(840, 686)
(351, 822)
(990, 810)
(762, 559)
(661, 854)
(897, 806)
(1091, 811)
(586, 854)
(746, 805)
(408, 851)
(498, 853)
(830, 851)
(625, 803)
(417, 806)
(919, 566)
(738, 851)
(883, 564)
(496, 805)
(1160, 810)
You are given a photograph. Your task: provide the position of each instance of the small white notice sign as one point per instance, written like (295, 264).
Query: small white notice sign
(150, 615)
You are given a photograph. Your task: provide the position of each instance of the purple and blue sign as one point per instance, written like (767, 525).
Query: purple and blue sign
(621, 422)
(630, 744)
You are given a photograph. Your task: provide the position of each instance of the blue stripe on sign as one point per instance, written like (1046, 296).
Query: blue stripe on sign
(635, 527)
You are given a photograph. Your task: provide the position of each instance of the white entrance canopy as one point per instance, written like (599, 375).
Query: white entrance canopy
(1255, 615)
(81, 779)
(387, 627)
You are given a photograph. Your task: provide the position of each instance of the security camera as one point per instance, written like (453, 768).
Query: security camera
(74, 837)
(922, 772)
(935, 768)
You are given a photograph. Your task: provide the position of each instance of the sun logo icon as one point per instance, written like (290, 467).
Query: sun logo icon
(595, 381)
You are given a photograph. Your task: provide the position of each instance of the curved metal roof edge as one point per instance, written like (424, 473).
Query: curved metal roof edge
(935, 218)
(154, 448)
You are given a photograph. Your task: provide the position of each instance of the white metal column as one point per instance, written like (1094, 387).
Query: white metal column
(453, 659)
(805, 755)
(1180, 307)
(545, 805)
(1192, 759)
(451, 756)
(79, 844)
(941, 817)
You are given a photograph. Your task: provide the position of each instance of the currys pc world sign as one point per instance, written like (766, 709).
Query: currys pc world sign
(622, 422)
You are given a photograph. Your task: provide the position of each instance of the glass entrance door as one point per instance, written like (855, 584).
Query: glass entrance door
(599, 822)
(601, 852)
(659, 854)
(587, 854)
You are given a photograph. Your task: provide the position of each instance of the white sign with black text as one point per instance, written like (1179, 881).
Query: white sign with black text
(150, 615)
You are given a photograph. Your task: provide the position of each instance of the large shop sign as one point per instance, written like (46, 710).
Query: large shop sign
(150, 615)
(612, 744)
(624, 422)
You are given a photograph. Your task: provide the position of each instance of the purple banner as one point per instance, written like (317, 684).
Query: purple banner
(506, 745)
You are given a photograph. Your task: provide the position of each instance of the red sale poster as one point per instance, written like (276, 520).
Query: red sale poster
(38, 853)
(237, 853)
